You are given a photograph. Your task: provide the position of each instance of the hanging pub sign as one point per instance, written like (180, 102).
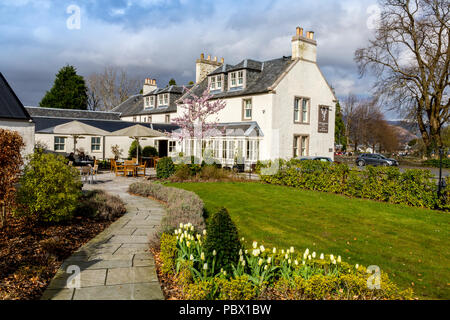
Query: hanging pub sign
(323, 119)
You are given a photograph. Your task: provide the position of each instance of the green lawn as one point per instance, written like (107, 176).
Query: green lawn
(411, 244)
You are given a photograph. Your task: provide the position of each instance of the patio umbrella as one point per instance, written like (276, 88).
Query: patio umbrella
(136, 132)
(76, 129)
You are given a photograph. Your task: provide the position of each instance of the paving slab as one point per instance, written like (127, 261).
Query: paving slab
(116, 264)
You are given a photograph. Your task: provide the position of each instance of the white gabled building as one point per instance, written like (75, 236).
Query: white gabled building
(14, 117)
(280, 108)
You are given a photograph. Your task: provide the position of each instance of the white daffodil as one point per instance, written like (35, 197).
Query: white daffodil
(307, 251)
(309, 257)
(334, 261)
(289, 261)
(246, 251)
(188, 244)
(242, 239)
(357, 266)
(191, 257)
(314, 255)
(199, 236)
(256, 252)
(303, 262)
(214, 252)
(321, 256)
(260, 262)
(274, 250)
(204, 232)
(266, 267)
(205, 266)
(192, 228)
(224, 273)
(296, 262)
(286, 256)
(240, 252)
(177, 237)
(339, 259)
(269, 259)
(202, 256)
(181, 225)
(243, 263)
(241, 258)
(176, 232)
(292, 249)
(331, 257)
(282, 251)
(255, 244)
(262, 248)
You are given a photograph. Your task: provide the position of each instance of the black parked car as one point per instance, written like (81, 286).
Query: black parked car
(374, 159)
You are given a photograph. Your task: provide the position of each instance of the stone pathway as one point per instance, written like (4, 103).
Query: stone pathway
(117, 264)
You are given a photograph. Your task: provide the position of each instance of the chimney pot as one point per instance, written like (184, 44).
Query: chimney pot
(311, 35)
(301, 32)
(209, 57)
(215, 59)
(222, 60)
(298, 31)
(202, 56)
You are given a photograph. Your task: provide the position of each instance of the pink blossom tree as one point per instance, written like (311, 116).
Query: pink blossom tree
(199, 119)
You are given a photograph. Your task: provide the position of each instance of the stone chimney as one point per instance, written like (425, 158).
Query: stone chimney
(149, 86)
(204, 66)
(304, 47)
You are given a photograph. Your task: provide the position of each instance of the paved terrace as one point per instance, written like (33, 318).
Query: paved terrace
(117, 264)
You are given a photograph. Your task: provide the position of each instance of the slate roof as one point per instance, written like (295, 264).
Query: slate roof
(72, 114)
(43, 123)
(10, 105)
(264, 75)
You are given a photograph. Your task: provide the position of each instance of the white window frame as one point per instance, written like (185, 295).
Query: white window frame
(147, 103)
(300, 146)
(231, 149)
(166, 99)
(160, 100)
(97, 144)
(167, 118)
(219, 82)
(245, 108)
(302, 107)
(240, 77)
(152, 102)
(172, 146)
(212, 83)
(57, 142)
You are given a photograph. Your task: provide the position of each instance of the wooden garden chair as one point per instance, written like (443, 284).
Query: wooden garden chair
(94, 172)
(113, 164)
(140, 170)
(130, 167)
(119, 169)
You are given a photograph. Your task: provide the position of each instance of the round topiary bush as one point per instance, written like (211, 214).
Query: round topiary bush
(132, 152)
(165, 168)
(149, 152)
(222, 237)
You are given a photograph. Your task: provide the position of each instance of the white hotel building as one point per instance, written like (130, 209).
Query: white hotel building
(280, 108)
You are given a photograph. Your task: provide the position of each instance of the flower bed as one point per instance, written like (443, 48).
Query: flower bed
(261, 273)
(31, 253)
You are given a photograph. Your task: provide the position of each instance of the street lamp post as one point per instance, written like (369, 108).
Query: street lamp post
(441, 153)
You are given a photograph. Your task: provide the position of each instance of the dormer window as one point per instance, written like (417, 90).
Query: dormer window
(163, 100)
(152, 102)
(147, 102)
(237, 80)
(215, 83)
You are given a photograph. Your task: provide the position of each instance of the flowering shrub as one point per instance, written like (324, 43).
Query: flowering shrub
(168, 252)
(182, 206)
(412, 187)
(272, 274)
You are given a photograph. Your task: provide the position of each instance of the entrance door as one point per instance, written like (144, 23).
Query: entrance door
(163, 148)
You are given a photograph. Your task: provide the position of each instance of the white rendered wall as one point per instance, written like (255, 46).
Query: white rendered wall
(26, 131)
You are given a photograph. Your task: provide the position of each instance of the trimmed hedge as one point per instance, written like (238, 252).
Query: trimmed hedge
(182, 206)
(414, 187)
(165, 168)
(435, 163)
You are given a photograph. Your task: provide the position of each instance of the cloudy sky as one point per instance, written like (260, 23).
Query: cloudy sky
(162, 38)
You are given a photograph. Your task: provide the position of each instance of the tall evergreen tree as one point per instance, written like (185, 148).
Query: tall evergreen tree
(339, 129)
(69, 91)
